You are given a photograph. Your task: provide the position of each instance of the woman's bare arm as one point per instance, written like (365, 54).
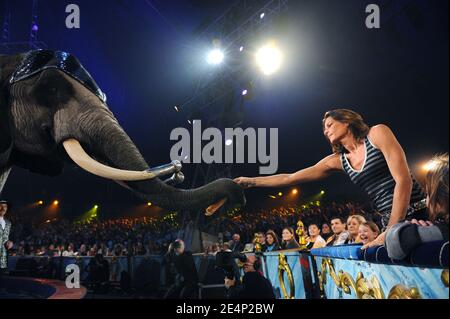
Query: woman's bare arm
(383, 138)
(319, 171)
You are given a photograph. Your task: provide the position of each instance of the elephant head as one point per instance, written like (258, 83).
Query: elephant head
(52, 113)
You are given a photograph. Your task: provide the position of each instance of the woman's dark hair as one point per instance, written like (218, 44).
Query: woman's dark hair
(355, 123)
(274, 236)
(291, 230)
(437, 188)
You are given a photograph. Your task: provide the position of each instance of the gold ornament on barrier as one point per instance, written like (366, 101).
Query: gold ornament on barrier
(257, 244)
(283, 267)
(403, 292)
(363, 288)
(444, 277)
(301, 234)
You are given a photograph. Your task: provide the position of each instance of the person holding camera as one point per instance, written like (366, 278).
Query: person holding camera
(5, 243)
(254, 284)
(186, 282)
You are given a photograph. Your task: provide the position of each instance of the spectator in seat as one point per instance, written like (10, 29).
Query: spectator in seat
(235, 244)
(368, 231)
(272, 243)
(289, 241)
(353, 223)
(340, 235)
(403, 238)
(315, 240)
(326, 231)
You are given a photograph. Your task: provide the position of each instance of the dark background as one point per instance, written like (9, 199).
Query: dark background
(143, 54)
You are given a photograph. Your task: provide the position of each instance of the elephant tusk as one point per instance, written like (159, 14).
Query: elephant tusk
(82, 159)
(215, 207)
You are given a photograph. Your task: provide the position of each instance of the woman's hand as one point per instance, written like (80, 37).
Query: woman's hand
(245, 182)
(421, 222)
(379, 241)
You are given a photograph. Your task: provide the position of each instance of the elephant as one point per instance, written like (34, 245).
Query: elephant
(52, 114)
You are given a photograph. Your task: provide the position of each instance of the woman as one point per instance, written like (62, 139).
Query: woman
(403, 238)
(368, 231)
(315, 240)
(272, 243)
(353, 223)
(289, 241)
(371, 157)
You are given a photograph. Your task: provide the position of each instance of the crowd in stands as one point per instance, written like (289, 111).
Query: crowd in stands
(242, 230)
(152, 235)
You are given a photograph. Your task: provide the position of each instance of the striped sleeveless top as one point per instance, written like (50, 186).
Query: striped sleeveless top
(376, 180)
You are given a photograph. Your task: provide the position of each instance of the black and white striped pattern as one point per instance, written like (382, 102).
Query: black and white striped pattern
(377, 181)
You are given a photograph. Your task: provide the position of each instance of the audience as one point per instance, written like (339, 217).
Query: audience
(314, 239)
(403, 238)
(353, 223)
(272, 242)
(368, 231)
(289, 241)
(340, 235)
(151, 235)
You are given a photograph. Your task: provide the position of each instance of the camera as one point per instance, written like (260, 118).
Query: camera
(225, 261)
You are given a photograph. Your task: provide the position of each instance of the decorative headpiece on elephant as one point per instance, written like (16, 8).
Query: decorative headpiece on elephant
(52, 112)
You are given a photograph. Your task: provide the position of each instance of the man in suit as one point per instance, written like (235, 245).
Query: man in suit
(5, 243)
(235, 244)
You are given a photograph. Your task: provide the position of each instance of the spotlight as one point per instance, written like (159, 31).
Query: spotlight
(271, 196)
(40, 202)
(244, 92)
(190, 122)
(95, 206)
(295, 191)
(56, 202)
(262, 15)
(429, 166)
(177, 108)
(322, 192)
(269, 59)
(241, 49)
(35, 27)
(280, 194)
(149, 204)
(215, 57)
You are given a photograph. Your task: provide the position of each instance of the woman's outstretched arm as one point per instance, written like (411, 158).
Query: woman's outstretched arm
(319, 171)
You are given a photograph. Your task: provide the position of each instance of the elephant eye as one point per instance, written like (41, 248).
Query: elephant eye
(52, 89)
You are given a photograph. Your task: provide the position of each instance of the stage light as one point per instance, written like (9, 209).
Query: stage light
(56, 202)
(295, 191)
(40, 202)
(269, 59)
(262, 15)
(177, 108)
(244, 92)
(271, 196)
(149, 204)
(95, 206)
(241, 49)
(280, 194)
(429, 166)
(322, 192)
(215, 57)
(190, 122)
(35, 27)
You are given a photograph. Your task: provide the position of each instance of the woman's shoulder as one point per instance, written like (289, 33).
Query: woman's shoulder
(378, 134)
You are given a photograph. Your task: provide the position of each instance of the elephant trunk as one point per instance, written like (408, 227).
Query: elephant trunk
(108, 142)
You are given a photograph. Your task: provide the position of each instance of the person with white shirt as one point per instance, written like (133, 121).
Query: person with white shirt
(5, 243)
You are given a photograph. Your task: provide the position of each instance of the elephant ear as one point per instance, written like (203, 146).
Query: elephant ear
(6, 141)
